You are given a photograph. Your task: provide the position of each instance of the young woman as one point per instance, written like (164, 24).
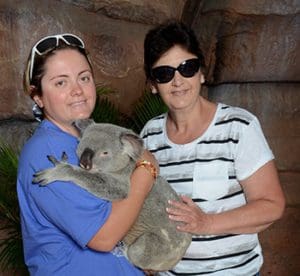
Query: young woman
(65, 229)
(215, 155)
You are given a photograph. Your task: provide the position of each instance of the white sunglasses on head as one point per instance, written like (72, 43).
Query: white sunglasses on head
(49, 43)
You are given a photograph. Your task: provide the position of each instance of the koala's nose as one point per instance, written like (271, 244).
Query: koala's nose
(86, 157)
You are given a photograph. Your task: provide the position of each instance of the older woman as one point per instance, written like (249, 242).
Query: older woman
(215, 155)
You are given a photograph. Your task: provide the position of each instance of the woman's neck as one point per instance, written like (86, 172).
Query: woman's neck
(184, 126)
(66, 127)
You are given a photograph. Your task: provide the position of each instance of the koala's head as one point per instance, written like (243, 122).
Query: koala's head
(107, 147)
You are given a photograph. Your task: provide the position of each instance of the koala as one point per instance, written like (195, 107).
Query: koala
(108, 155)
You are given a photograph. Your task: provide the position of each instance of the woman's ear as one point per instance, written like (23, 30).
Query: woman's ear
(202, 79)
(153, 88)
(38, 100)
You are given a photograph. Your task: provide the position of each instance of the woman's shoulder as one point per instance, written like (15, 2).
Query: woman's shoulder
(48, 141)
(227, 113)
(155, 124)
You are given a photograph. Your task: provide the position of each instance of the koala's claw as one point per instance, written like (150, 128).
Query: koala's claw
(64, 157)
(52, 159)
(52, 174)
(38, 178)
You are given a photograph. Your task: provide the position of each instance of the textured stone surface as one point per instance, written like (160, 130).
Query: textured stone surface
(254, 42)
(15, 133)
(281, 245)
(290, 183)
(146, 12)
(260, 7)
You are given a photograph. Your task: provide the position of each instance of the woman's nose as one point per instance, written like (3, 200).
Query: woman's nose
(76, 89)
(178, 79)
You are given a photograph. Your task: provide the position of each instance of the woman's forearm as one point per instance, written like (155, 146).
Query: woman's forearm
(124, 212)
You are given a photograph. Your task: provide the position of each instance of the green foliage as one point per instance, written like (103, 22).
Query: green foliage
(11, 247)
(147, 107)
(105, 111)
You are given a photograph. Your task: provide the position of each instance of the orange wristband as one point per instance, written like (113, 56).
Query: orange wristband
(148, 166)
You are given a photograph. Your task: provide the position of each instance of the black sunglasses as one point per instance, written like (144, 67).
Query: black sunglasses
(49, 43)
(164, 74)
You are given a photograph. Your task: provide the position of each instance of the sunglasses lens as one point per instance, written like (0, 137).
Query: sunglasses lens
(46, 44)
(163, 74)
(49, 43)
(189, 68)
(72, 40)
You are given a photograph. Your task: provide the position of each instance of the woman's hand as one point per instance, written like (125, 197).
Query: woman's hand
(193, 219)
(265, 204)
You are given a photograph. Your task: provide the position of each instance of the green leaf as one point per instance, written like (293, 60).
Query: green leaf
(11, 247)
(105, 111)
(147, 107)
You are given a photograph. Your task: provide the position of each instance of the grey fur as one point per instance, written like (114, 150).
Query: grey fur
(108, 154)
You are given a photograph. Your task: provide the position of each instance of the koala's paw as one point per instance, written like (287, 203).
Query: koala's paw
(58, 172)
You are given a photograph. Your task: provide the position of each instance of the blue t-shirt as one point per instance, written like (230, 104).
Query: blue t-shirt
(58, 220)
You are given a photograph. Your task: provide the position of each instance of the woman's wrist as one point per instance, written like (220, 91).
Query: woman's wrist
(148, 166)
(141, 182)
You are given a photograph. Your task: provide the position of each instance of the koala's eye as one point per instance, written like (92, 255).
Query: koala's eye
(104, 153)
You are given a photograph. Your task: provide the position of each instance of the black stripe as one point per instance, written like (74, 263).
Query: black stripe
(221, 198)
(231, 195)
(232, 120)
(209, 272)
(160, 148)
(219, 257)
(230, 177)
(191, 179)
(213, 238)
(159, 117)
(219, 141)
(225, 107)
(180, 180)
(199, 200)
(196, 160)
(152, 134)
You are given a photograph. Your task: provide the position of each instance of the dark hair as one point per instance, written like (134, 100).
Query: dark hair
(163, 37)
(39, 68)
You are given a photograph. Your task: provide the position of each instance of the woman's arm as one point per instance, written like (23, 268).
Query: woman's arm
(265, 204)
(124, 212)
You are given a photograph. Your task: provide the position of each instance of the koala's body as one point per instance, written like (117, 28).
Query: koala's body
(108, 154)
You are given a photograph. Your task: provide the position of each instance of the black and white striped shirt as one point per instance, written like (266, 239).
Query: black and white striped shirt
(208, 170)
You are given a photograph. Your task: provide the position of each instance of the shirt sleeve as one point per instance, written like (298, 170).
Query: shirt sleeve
(74, 211)
(253, 151)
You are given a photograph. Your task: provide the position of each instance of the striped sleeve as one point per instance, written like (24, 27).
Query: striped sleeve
(253, 151)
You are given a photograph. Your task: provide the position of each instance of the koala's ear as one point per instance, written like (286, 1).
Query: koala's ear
(82, 124)
(132, 145)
